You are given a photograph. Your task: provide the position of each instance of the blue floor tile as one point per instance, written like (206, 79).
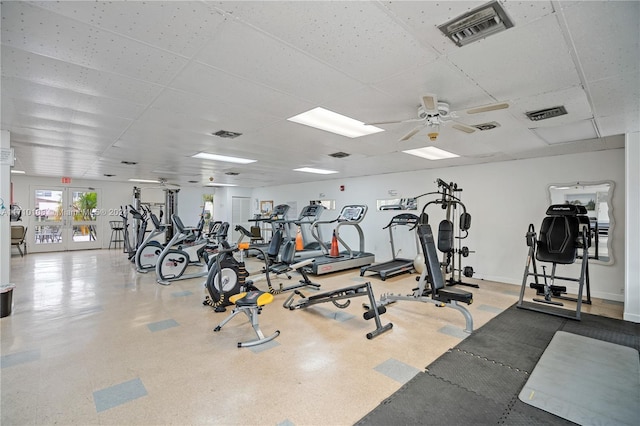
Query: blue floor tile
(489, 308)
(19, 358)
(162, 325)
(454, 331)
(397, 370)
(119, 394)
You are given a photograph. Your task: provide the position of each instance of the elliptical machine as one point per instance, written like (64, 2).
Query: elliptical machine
(149, 251)
(183, 250)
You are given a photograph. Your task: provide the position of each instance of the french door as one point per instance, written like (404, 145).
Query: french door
(64, 218)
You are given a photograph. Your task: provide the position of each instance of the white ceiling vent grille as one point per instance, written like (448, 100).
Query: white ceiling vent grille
(227, 134)
(339, 155)
(487, 126)
(476, 24)
(543, 114)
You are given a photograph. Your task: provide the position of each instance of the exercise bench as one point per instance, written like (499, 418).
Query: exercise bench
(335, 296)
(437, 294)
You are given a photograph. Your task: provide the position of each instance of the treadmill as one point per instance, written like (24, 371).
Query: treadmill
(312, 248)
(350, 215)
(396, 265)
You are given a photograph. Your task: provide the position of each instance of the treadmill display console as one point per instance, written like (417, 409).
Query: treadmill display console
(351, 214)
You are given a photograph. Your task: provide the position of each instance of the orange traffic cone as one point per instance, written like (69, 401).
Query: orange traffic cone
(299, 242)
(335, 251)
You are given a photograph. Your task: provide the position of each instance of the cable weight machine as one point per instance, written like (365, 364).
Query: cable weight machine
(451, 231)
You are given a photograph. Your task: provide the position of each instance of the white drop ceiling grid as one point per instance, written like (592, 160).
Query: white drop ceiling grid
(86, 85)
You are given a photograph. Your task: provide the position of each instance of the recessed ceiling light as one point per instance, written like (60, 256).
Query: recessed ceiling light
(431, 153)
(216, 157)
(144, 180)
(312, 170)
(18, 172)
(220, 184)
(333, 122)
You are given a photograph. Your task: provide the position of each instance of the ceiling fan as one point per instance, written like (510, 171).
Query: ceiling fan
(163, 183)
(432, 114)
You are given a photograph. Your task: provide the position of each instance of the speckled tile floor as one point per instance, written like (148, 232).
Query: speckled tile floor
(90, 341)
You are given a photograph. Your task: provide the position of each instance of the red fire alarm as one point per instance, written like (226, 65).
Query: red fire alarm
(65, 179)
(341, 187)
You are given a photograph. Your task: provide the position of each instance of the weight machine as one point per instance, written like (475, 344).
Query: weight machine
(448, 233)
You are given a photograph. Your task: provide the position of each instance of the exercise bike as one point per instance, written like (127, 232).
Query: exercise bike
(183, 250)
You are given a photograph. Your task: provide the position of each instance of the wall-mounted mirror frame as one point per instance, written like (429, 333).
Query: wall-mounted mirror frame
(596, 197)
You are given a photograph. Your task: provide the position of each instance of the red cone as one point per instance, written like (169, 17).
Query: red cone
(335, 251)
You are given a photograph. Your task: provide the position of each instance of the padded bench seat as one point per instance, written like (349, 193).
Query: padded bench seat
(449, 294)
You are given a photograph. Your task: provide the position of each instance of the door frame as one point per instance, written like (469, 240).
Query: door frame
(65, 227)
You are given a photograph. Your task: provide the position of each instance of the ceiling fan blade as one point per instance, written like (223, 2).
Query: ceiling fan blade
(486, 108)
(462, 127)
(411, 133)
(430, 103)
(409, 120)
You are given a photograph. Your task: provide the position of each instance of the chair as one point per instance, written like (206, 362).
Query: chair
(117, 233)
(18, 235)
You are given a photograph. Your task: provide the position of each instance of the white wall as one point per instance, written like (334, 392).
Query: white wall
(632, 243)
(502, 198)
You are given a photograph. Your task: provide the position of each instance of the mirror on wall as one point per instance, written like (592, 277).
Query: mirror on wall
(596, 197)
(397, 204)
(328, 204)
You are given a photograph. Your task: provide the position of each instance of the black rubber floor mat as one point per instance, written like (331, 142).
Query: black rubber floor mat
(493, 380)
(429, 400)
(606, 329)
(519, 413)
(464, 386)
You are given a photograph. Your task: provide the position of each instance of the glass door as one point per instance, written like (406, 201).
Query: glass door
(64, 219)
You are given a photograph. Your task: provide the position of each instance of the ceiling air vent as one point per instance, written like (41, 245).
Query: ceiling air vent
(487, 126)
(226, 134)
(543, 114)
(476, 24)
(232, 173)
(339, 155)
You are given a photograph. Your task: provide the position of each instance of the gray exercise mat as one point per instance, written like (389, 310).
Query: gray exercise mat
(586, 381)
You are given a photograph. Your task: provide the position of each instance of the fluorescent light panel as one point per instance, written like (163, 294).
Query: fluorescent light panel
(431, 153)
(216, 157)
(333, 122)
(220, 184)
(144, 180)
(312, 170)
(18, 172)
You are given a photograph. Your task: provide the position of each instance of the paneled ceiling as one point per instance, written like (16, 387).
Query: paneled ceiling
(88, 85)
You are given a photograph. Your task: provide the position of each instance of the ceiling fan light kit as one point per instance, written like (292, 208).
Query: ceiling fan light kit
(433, 113)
